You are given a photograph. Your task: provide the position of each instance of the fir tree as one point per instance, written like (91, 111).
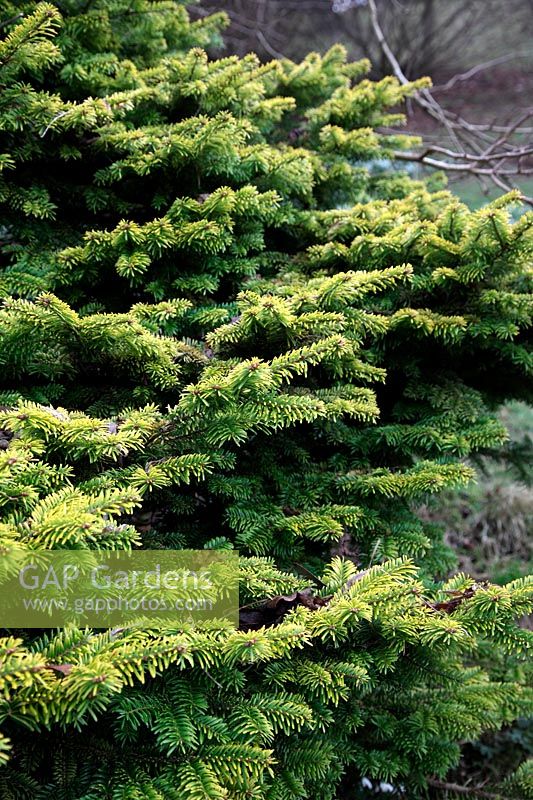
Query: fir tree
(223, 329)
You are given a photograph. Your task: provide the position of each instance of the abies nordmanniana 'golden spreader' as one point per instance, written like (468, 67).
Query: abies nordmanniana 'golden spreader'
(227, 323)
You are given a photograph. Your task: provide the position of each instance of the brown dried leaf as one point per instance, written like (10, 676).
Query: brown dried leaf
(63, 669)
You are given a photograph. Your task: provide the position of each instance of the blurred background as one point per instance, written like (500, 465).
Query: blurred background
(429, 37)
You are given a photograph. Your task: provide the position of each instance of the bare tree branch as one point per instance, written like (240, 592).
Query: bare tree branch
(493, 62)
(476, 151)
(268, 47)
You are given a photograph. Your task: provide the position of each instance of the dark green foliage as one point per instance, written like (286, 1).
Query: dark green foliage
(221, 328)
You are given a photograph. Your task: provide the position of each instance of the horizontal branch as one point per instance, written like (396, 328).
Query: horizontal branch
(486, 157)
(466, 166)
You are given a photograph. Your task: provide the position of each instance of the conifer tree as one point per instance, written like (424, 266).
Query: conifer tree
(223, 328)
